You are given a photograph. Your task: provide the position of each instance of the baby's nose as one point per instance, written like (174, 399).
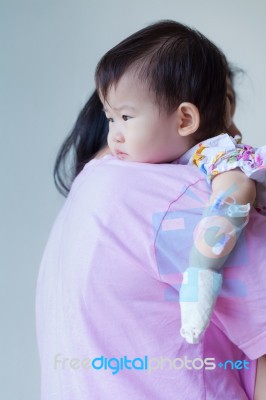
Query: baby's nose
(118, 137)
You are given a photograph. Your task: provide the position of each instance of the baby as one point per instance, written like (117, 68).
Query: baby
(164, 93)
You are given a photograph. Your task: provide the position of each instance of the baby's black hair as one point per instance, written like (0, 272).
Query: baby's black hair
(178, 64)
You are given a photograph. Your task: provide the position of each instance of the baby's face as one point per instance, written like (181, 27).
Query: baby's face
(138, 129)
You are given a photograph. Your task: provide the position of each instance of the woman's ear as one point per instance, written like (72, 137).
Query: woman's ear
(188, 119)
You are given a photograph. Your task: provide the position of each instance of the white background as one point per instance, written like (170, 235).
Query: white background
(49, 49)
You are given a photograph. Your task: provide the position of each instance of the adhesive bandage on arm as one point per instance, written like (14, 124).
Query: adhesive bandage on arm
(215, 237)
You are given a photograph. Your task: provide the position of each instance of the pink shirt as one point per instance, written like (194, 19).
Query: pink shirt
(107, 308)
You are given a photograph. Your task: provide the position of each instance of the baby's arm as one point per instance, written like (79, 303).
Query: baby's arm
(245, 188)
(242, 191)
(221, 224)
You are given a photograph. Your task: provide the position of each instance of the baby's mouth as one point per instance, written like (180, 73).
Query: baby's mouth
(120, 154)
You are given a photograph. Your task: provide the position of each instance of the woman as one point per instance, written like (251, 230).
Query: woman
(103, 295)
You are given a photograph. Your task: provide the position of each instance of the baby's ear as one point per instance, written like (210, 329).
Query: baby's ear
(188, 119)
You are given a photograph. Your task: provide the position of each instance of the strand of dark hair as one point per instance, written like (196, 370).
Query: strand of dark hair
(87, 137)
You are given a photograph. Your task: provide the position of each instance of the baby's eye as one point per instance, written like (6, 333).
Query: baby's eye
(110, 120)
(126, 117)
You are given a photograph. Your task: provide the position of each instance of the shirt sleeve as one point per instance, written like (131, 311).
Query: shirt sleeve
(216, 155)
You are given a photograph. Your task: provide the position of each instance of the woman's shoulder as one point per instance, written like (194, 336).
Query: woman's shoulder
(115, 178)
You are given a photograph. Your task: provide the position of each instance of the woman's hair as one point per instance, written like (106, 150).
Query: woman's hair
(177, 64)
(89, 136)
